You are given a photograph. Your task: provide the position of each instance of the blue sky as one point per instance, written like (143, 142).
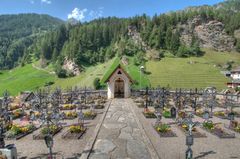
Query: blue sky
(85, 10)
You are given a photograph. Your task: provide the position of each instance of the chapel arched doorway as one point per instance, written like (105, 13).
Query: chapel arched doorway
(119, 88)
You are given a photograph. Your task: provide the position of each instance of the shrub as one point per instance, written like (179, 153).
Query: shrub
(49, 83)
(61, 73)
(96, 83)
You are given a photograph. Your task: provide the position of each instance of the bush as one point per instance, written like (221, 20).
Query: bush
(96, 83)
(61, 73)
(49, 83)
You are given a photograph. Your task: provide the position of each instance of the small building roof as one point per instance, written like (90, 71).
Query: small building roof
(116, 65)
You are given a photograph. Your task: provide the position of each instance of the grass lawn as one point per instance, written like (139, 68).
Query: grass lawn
(180, 72)
(86, 78)
(23, 78)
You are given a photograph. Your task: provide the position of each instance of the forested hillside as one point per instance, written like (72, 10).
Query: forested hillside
(181, 33)
(17, 34)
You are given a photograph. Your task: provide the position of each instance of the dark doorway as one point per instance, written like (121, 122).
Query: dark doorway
(119, 88)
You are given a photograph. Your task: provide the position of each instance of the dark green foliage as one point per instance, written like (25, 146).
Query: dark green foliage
(237, 89)
(105, 38)
(238, 45)
(18, 33)
(96, 83)
(48, 83)
(139, 58)
(61, 73)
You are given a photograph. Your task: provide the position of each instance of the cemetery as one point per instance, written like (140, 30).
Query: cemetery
(61, 123)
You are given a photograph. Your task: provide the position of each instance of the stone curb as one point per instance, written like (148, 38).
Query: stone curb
(88, 148)
(150, 147)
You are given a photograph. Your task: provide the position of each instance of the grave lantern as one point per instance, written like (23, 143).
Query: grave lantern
(189, 140)
(173, 112)
(231, 116)
(48, 141)
(206, 115)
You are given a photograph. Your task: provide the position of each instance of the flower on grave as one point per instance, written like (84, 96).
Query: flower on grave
(17, 129)
(184, 126)
(71, 114)
(13, 107)
(199, 112)
(17, 113)
(167, 113)
(89, 114)
(219, 113)
(68, 106)
(76, 129)
(163, 128)
(237, 128)
(209, 125)
(52, 129)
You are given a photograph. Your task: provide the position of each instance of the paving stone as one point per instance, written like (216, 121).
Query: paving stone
(99, 156)
(103, 146)
(120, 136)
(137, 149)
(125, 135)
(127, 129)
(114, 125)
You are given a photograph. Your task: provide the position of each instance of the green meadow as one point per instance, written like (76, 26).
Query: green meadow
(193, 72)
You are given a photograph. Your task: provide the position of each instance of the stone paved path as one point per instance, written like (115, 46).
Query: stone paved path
(120, 135)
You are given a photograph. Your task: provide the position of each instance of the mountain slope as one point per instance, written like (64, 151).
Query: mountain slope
(18, 32)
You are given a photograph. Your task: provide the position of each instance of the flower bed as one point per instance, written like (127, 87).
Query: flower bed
(44, 131)
(235, 126)
(14, 107)
(149, 114)
(74, 132)
(89, 115)
(182, 114)
(199, 113)
(164, 130)
(68, 107)
(17, 132)
(70, 115)
(220, 114)
(215, 129)
(195, 132)
(166, 114)
(17, 114)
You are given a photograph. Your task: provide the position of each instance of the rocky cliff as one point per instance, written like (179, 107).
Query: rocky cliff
(210, 34)
(71, 67)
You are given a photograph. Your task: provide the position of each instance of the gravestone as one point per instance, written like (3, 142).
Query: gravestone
(206, 115)
(173, 111)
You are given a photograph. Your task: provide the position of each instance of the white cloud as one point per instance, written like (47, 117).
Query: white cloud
(46, 1)
(77, 14)
(96, 14)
